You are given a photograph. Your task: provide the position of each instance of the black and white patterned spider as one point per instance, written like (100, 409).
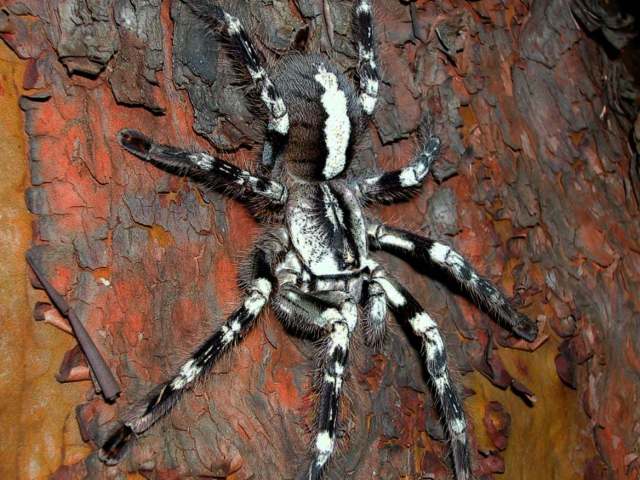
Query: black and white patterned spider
(313, 262)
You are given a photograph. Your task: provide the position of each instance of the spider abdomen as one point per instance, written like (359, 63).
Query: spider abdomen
(325, 116)
(327, 228)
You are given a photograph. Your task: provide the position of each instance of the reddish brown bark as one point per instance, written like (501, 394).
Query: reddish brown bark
(535, 186)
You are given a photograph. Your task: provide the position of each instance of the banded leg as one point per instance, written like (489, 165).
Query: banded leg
(367, 68)
(341, 323)
(164, 397)
(434, 256)
(221, 21)
(402, 184)
(407, 309)
(202, 167)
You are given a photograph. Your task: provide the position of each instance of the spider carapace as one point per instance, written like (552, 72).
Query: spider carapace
(313, 263)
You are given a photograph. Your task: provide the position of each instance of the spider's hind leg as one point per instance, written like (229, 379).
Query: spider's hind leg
(341, 323)
(407, 310)
(333, 315)
(164, 397)
(434, 256)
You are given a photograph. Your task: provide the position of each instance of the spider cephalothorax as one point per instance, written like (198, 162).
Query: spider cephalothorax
(313, 262)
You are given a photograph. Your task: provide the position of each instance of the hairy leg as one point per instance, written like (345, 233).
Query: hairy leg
(203, 168)
(304, 310)
(407, 309)
(341, 323)
(164, 397)
(435, 256)
(367, 68)
(401, 184)
(332, 314)
(374, 302)
(229, 26)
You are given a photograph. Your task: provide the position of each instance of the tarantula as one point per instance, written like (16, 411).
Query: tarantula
(313, 262)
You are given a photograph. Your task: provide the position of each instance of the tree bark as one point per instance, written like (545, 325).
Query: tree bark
(536, 185)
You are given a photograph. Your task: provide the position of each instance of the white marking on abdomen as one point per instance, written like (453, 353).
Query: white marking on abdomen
(337, 127)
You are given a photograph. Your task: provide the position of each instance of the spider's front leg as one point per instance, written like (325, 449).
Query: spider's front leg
(230, 27)
(203, 168)
(367, 68)
(162, 399)
(434, 256)
(332, 314)
(407, 309)
(402, 184)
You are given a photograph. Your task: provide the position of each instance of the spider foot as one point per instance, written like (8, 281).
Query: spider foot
(135, 142)
(525, 328)
(461, 459)
(114, 448)
(431, 147)
(311, 472)
(425, 133)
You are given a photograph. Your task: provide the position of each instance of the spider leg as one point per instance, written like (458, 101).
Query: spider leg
(341, 323)
(407, 309)
(203, 168)
(402, 184)
(228, 25)
(375, 313)
(267, 159)
(435, 256)
(367, 68)
(164, 397)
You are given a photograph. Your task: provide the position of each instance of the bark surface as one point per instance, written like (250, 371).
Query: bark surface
(537, 185)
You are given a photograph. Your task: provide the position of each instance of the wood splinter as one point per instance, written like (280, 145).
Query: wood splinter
(74, 367)
(107, 382)
(46, 313)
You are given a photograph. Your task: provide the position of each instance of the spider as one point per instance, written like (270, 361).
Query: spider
(313, 263)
